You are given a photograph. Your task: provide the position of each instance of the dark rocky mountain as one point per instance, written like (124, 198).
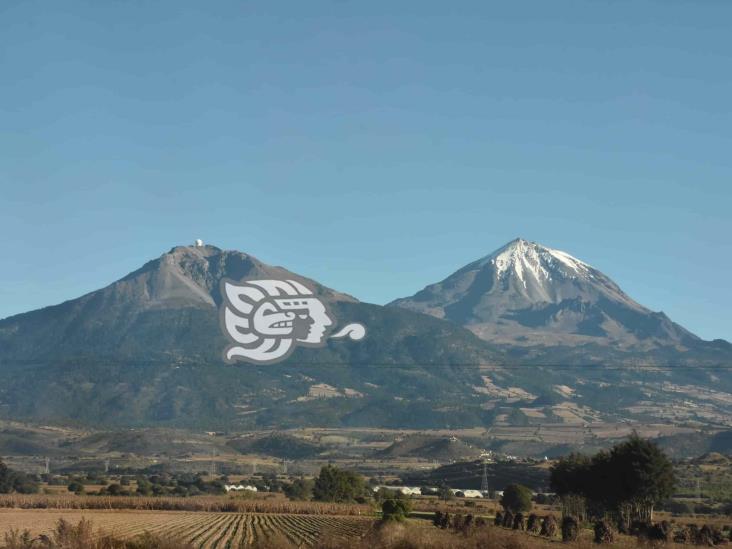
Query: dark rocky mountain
(527, 295)
(146, 350)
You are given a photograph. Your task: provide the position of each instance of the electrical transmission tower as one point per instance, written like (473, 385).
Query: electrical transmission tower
(484, 480)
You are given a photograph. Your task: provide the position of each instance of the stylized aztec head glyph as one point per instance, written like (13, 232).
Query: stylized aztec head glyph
(267, 319)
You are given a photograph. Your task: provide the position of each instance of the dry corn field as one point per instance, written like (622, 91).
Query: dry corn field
(201, 529)
(197, 503)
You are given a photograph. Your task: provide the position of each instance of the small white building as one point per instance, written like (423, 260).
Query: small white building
(406, 490)
(240, 487)
(467, 493)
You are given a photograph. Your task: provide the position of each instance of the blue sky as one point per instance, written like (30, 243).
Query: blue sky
(375, 146)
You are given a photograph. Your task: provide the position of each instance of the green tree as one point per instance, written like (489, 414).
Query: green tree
(572, 479)
(396, 509)
(640, 476)
(76, 487)
(630, 479)
(144, 487)
(570, 474)
(15, 481)
(516, 498)
(115, 490)
(299, 489)
(445, 494)
(6, 479)
(337, 485)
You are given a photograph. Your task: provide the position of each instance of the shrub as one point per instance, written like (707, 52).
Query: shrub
(533, 525)
(461, 523)
(437, 519)
(549, 526)
(76, 487)
(570, 529)
(707, 535)
(661, 531)
(455, 521)
(498, 521)
(604, 532)
(683, 535)
(114, 490)
(15, 539)
(519, 522)
(718, 535)
(694, 532)
(639, 528)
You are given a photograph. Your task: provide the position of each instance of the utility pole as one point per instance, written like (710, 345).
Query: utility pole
(47, 468)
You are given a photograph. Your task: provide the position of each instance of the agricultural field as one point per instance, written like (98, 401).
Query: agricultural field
(201, 529)
(208, 504)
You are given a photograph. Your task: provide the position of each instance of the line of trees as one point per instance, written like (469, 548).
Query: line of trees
(16, 481)
(628, 481)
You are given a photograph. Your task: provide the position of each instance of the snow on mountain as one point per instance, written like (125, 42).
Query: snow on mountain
(525, 293)
(520, 256)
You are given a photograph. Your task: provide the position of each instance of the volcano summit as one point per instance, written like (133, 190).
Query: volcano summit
(526, 294)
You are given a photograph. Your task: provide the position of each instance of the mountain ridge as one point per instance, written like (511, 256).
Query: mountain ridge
(526, 294)
(146, 351)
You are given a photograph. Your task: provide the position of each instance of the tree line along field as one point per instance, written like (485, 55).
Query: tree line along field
(612, 492)
(204, 530)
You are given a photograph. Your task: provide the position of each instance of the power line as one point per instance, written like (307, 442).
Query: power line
(627, 365)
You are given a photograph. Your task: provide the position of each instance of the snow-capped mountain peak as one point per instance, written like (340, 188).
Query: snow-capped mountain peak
(527, 293)
(529, 259)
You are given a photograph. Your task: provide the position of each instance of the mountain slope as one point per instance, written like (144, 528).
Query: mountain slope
(178, 291)
(146, 350)
(525, 294)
